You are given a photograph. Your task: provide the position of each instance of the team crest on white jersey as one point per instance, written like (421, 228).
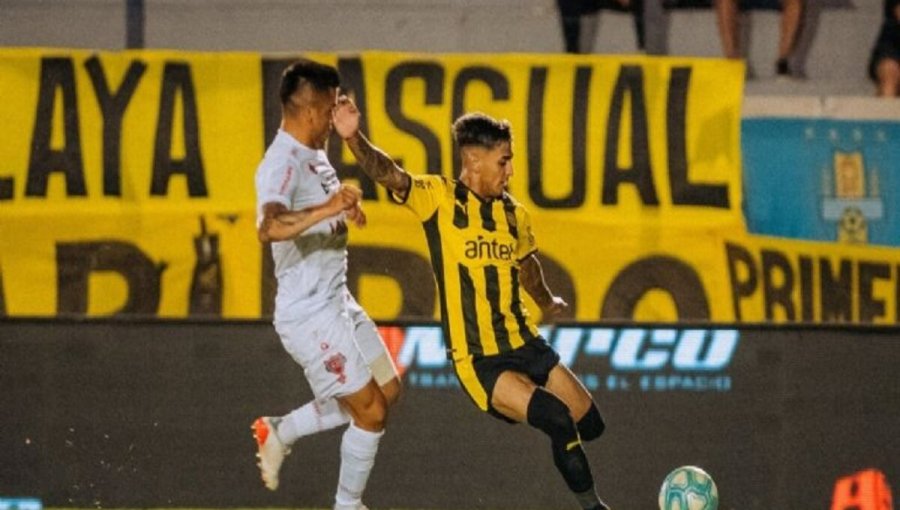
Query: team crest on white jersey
(335, 365)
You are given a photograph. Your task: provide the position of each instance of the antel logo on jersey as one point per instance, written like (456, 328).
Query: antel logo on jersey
(659, 359)
(483, 248)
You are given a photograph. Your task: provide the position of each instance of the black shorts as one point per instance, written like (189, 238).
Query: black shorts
(887, 46)
(479, 375)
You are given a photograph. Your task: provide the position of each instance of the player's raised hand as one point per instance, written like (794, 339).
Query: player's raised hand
(345, 118)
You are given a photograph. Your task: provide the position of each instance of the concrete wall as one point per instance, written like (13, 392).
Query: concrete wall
(836, 45)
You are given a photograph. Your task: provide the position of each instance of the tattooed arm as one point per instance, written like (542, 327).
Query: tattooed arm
(532, 279)
(374, 162)
(280, 224)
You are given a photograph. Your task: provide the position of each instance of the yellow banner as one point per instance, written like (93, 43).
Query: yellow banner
(108, 161)
(126, 187)
(777, 280)
(656, 274)
(609, 139)
(104, 130)
(166, 263)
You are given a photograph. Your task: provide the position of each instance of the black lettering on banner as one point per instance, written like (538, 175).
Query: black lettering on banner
(683, 191)
(491, 77)
(630, 82)
(580, 95)
(432, 74)
(807, 286)
(561, 282)
(778, 283)
(537, 84)
(836, 287)
(2, 297)
(411, 271)
(177, 83)
(352, 82)
(57, 74)
(897, 294)
(76, 261)
(206, 282)
(871, 307)
(659, 272)
(739, 257)
(836, 291)
(112, 106)
(7, 188)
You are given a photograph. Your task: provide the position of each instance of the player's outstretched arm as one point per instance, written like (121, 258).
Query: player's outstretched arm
(280, 223)
(532, 279)
(374, 162)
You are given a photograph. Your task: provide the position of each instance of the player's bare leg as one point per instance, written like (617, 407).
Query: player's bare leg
(563, 383)
(791, 14)
(318, 416)
(391, 391)
(728, 18)
(888, 72)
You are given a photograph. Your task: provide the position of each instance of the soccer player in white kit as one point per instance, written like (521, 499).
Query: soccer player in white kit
(302, 209)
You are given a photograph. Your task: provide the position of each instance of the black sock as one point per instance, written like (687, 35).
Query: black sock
(589, 500)
(549, 414)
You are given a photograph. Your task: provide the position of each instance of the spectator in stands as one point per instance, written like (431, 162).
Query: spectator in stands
(884, 65)
(572, 11)
(728, 16)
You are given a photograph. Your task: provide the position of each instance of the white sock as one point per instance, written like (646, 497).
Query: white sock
(358, 449)
(311, 418)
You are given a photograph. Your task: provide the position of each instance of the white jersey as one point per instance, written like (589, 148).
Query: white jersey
(311, 269)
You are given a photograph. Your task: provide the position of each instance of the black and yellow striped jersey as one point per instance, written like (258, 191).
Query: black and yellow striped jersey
(476, 246)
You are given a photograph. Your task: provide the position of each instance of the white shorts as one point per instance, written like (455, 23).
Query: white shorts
(334, 347)
(370, 343)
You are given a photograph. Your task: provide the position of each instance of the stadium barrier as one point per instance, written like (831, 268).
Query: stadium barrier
(157, 414)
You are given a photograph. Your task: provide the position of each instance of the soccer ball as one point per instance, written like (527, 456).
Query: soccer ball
(688, 488)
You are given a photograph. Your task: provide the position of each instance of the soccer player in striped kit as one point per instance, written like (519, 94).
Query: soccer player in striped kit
(302, 211)
(483, 254)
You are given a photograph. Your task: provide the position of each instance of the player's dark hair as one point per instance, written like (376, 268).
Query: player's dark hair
(303, 72)
(482, 130)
